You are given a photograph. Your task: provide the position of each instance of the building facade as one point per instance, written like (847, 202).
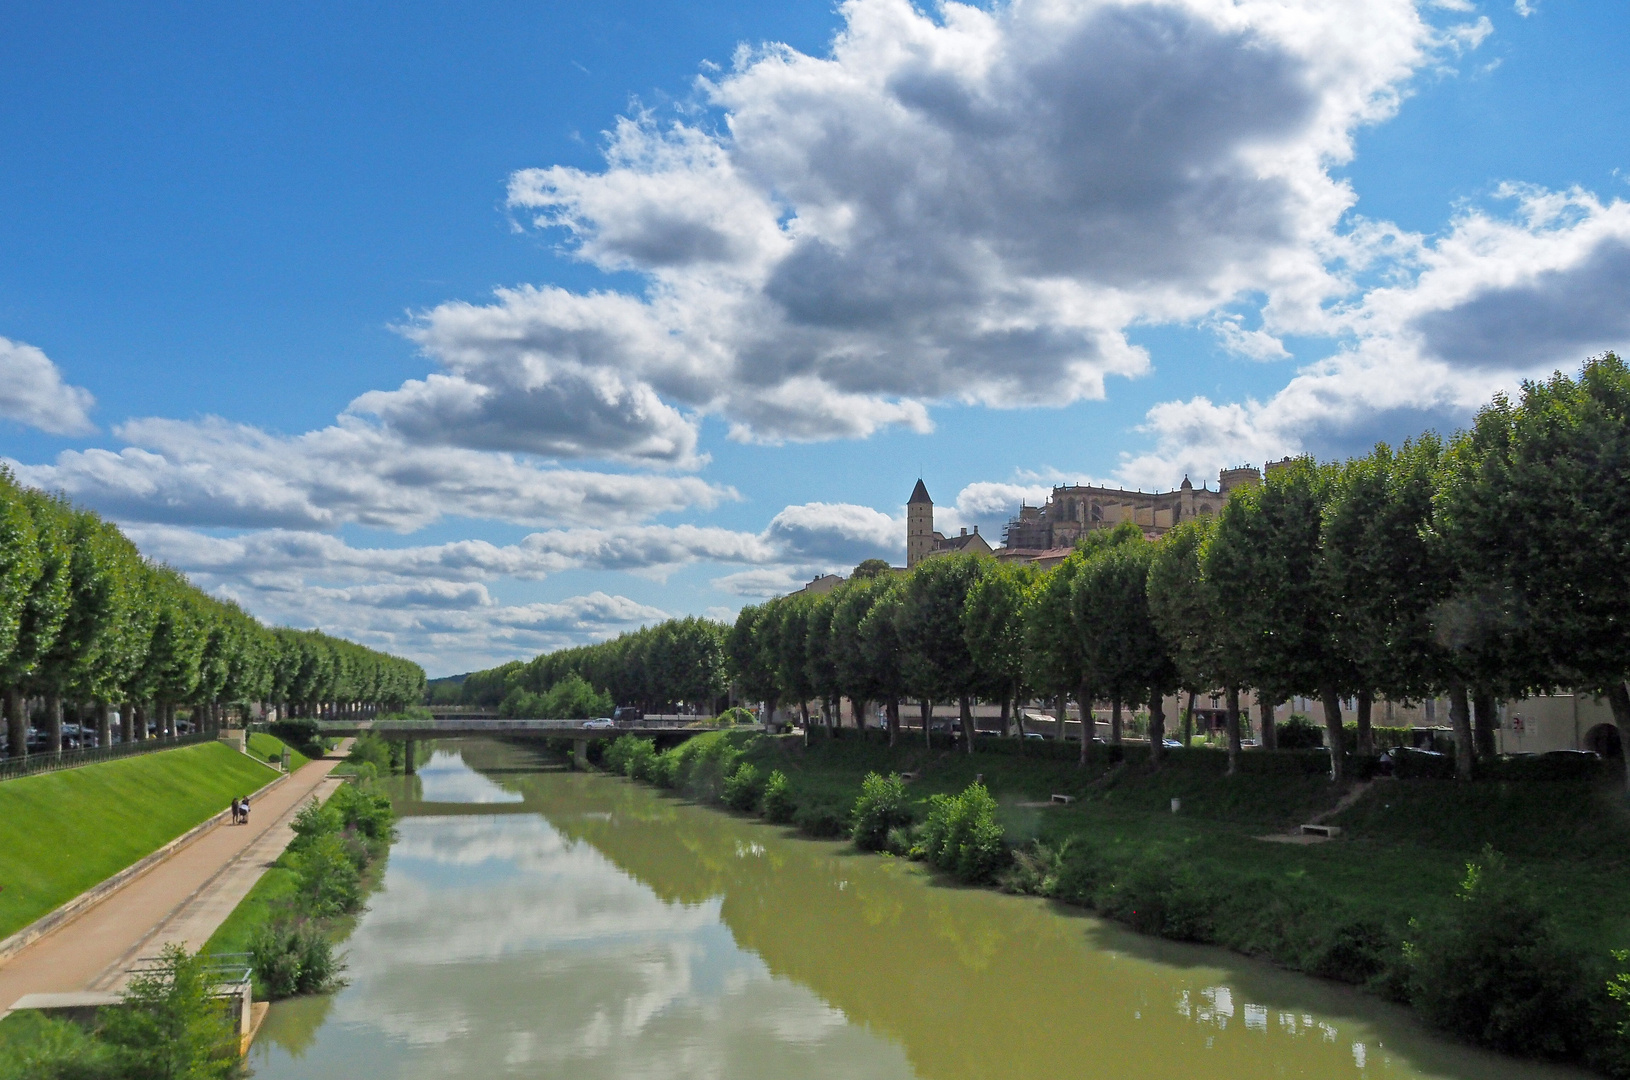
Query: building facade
(1073, 510)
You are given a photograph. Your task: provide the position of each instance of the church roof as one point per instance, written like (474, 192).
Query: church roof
(919, 494)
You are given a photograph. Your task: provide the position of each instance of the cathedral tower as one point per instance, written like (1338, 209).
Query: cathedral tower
(919, 526)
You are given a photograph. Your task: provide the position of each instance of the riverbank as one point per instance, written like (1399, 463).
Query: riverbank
(62, 833)
(1342, 909)
(307, 901)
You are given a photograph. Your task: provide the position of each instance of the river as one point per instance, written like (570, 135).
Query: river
(535, 922)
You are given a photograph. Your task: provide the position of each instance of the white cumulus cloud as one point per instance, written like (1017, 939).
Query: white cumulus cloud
(32, 392)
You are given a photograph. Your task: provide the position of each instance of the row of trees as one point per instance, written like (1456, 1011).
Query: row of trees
(661, 668)
(85, 619)
(1488, 567)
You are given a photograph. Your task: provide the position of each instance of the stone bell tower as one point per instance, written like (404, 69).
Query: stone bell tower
(919, 526)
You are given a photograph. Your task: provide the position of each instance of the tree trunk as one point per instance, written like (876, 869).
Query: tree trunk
(1485, 719)
(127, 722)
(1233, 730)
(859, 709)
(1332, 731)
(1366, 737)
(16, 724)
(1157, 726)
(1063, 711)
(1005, 715)
(894, 721)
(1619, 698)
(1084, 697)
(1115, 721)
(966, 704)
(1460, 717)
(53, 723)
(803, 713)
(1270, 736)
(104, 724)
(1188, 721)
(927, 708)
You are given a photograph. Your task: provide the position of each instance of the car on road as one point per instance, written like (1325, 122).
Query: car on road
(600, 722)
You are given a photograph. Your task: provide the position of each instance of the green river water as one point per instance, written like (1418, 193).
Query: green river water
(541, 923)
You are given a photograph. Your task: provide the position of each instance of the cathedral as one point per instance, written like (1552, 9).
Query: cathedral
(1074, 509)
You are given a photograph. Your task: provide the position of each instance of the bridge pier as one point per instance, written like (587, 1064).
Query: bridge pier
(580, 754)
(409, 766)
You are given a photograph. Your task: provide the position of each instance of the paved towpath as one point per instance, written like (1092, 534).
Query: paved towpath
(184, 898)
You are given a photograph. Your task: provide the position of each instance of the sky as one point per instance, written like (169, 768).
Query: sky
(471, 331)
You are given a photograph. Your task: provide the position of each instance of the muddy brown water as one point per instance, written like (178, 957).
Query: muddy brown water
(541, 923)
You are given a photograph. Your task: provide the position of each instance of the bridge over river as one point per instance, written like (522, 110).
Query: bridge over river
(470, 727)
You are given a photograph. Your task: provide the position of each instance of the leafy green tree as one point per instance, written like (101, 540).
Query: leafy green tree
(749, 666)
(1052, 649)
(1539, 513)
(1265, 563)
(1385, 573)
(1125, 655)
(993, 626)
(937, 663)
(20, 567)
(171, 1026)
(1186, 612)
(882, 650)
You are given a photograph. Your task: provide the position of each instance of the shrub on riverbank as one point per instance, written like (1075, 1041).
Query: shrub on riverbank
(170, 1027)
(880, 808)
(288, 921)
(961, 835)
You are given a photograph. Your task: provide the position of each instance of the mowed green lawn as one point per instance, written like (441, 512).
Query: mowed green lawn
(63, 832)
(269, 748)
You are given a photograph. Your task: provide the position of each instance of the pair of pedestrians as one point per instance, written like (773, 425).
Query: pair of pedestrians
(240, 811)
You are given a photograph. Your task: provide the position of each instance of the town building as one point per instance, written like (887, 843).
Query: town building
(1072, 510)
(922, 541)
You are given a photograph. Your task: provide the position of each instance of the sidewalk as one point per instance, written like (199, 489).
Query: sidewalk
(183, 899)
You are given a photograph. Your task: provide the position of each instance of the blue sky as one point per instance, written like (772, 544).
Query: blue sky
(762, 266)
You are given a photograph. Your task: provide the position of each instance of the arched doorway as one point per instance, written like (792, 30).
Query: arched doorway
(1604, 739)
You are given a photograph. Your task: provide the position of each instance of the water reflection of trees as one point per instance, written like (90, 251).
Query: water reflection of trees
(971, 983)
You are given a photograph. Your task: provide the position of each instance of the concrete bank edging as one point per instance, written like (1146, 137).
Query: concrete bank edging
(58, 917)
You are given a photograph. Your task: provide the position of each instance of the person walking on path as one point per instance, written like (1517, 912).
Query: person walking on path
(234, 809)
(243, 809)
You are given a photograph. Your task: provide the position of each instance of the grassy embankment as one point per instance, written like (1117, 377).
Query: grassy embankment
(1341, 909)
(269, 748)
(63, 832)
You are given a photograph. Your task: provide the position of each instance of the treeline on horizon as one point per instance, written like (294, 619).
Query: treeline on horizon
(86, 620)
(1487, 567)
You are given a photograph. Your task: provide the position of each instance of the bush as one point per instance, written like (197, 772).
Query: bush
(737, 715)
(741, 789)
(1494, 971)
(779, 805)
(880, 807)
(371, 750)
(1162, 896)
(1298, 733)
(293, 959)
(304, 734)
(621, 749)
(57, 1050)
(821, 820)
(961, 835)
(171, 1024)
(329, 881)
